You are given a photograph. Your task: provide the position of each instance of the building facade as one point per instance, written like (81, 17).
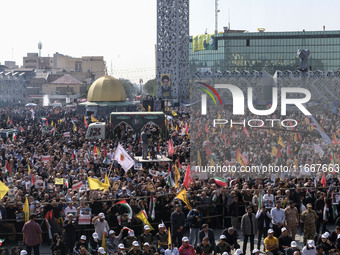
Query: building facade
(89, 64)
(269, 51)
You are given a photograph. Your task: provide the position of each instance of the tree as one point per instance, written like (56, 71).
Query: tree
(150, 87)
(130, 89)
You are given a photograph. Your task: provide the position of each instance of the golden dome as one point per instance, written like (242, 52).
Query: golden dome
(106, 89)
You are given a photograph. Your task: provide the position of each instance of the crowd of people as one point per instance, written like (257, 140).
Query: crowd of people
(48, 162)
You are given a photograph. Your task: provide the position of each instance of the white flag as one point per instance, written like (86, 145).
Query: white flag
(123, 158)
(318, 149)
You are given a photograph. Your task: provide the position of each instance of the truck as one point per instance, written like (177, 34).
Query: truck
(136, 120)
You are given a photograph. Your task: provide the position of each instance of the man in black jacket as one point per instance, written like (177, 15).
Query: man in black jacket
(263, 222)
(206, 231)
(177, 225)
(231, 237)
(195, 221)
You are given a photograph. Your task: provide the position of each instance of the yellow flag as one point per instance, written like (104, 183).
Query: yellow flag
(26, 210)
(182, 195)
(280, 142)
(149, 108)
(173, 113)
(199, 159)
(104, 242)
(58, 181)
(142, 216)
(296, 163)
(177, 176)
(107, 182)
(52, 123)
(8, 120)
(295, 137)
(97, 184)
(274, 151)
(29, 169)
(74, 127)
(3, 189)
(169, 238)
(93, 119)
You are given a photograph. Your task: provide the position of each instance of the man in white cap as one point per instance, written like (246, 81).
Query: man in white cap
(293, 247)
(81, 242)
(101, 251)
(121, 249)
(326, 244)
(222, 245)
(23, 252)
(70, 227)
(146, 237)
(95, 242)
(100, 225)
(147, 249)
(309, 249)
(271, 244)
(162, 238)
(113, 241)
(186, 248)
(256, 252)
(135, 249)
(129, 240)
(284, 240)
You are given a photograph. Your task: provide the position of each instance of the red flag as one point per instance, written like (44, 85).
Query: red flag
(105, 152)
(233, 134)
(278, 154)
(8, 167)
(130, 148)
(85, 122)
(300, 137)
(288, 151)
(206, 128)
(179, 163)
(32, 179)
(187, 179)
(246, 132)
(224, 138)
(323, 180)
(207, 151)
(22, 129)
(49, 215)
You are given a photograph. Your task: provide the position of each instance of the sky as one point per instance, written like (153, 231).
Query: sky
(124, 31)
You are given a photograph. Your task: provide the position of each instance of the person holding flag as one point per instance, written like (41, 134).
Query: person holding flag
(263, 222)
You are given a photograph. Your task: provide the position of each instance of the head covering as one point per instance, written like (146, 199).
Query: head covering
(135, 243)
(101, 250)
(222, 237)
(111, 232)
(146, 244)
(23, 252)
(309, 205)
(238, 252)
(185, 239)
(311, 243)
(283, 229)
(102, 215)
(293, 244)
(95, 235)
(83, 237)
(256, 250)
(121, 246)
(161, 225)
(270, 231)
(146, 227)
(131, 233)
